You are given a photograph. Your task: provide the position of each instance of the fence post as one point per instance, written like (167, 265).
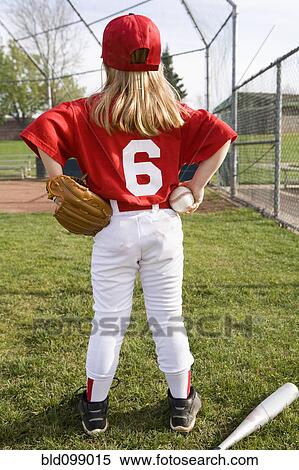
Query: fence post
(234, 157)
(207, 78)
(40, 168)
(278, 112)
(49, 93)
(234, 106)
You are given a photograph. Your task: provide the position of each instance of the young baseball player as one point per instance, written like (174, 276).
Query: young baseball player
(132, 138)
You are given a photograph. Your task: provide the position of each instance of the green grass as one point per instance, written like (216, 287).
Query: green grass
(15, 150)
(239, 268)
(13, 147)
(248, 155)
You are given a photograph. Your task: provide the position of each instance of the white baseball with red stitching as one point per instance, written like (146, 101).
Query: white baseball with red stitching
(181, 199)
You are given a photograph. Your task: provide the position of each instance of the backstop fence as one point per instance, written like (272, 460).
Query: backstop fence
(262, 169)
(204, 58)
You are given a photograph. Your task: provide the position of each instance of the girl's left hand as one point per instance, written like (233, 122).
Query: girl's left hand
(198, 194)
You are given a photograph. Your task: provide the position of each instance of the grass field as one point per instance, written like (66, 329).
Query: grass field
(15, 150)
(13, 147)
(249, 158)
(240, 269)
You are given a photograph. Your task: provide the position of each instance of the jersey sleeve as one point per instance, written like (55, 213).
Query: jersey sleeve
(202, 135)
(53, 132)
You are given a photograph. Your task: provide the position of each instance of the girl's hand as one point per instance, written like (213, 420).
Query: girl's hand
(198, 194)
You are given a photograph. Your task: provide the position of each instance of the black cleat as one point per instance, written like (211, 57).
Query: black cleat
(183, 411)
(93, 415)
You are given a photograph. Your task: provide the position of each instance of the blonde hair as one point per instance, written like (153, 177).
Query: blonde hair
(137, 102)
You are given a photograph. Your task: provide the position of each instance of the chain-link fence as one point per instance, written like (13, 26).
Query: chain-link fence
(263, 167)
(205, 52)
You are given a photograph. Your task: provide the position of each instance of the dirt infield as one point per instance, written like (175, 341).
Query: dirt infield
(30, 196)
(24, 196)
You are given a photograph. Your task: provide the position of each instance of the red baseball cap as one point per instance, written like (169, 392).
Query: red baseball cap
(124, 35)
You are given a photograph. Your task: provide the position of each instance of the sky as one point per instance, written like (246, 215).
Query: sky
(256, 18)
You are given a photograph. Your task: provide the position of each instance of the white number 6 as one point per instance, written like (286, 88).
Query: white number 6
(133, 169)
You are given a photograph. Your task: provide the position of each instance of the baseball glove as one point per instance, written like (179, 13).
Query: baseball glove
(81, 211)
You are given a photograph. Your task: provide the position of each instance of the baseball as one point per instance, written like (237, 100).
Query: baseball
(181, 198)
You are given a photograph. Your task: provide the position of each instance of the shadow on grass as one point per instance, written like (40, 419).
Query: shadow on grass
(149, 418)
(233, 422)
(55, 421)
(62, 423)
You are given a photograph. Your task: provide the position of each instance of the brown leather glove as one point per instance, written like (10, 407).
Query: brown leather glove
(81, 211)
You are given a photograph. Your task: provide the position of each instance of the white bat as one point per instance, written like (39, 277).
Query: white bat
(262, 414)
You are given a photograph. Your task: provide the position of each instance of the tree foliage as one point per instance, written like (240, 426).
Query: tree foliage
(23, 89)
(19, 99)
(56, 52)
(170, 74)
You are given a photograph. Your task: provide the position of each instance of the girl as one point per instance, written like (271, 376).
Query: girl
(131, 139)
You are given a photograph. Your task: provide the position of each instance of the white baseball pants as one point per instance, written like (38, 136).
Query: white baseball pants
(148, 242)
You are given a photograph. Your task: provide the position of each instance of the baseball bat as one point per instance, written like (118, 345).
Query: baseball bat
(262, 414)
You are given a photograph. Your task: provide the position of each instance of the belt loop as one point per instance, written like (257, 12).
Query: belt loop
(155, 207)
(114, 206)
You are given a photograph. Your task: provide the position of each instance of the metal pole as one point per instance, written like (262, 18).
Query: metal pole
(270, 66)
(49, 93)
(206, 48)
(207, 78)
(84, 22)
(278, 112)
(194, 22)
(234, 107)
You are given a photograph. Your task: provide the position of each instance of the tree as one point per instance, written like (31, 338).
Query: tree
(58, 49)
(22, 99)
(66, 89)
(170, 74)
(19, 99)
(3, 71)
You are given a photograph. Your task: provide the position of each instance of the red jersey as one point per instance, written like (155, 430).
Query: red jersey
(122, 166)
